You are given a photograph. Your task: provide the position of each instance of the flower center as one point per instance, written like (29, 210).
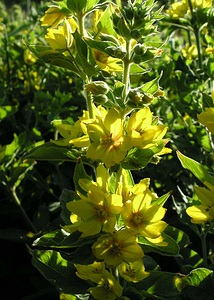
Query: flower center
(137, 218)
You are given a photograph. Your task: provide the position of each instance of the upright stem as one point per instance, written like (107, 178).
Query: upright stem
(204, 248)
(88, 95)
(89, 101)
(126, 71)
(81, 23)
(7, 62)
(199, 47)
(22, 211)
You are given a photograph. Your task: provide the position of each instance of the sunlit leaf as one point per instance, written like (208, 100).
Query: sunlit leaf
(58, 271)
(196, 168)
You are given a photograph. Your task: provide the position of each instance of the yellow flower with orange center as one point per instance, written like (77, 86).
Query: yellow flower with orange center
(97, 211)
(92, 272)
(117, 247)
(108, 288)
(109, 143)
(133, 271)
(144, 217)
(141, 131)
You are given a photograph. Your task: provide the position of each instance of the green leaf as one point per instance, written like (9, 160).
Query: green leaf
(199, 284)
(79, 6)
(81, 56)
(161, 200)
(64, 296)
(65, 197)
(61, 240)
(50, 152)
(139, 158)
(105, 23)
(81, 255)
(58, 271)
(196, 168)
(207, 101)
(56, 58)
(171, 249)
(80, 172)
(159, 284)
(7, 110)
(103, 46)
(151, 87)
(181, 238)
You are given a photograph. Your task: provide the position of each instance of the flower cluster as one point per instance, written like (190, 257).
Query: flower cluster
(182, 8)
(109, 136)
(118, 217)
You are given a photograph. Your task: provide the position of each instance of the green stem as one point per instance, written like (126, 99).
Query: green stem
(7, 62)
(89, 102)
(81, 23)
(22, 211)
(88, 95)
(126, 71)
(199, 47)
(204, 248)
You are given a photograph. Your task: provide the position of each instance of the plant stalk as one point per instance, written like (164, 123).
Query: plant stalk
(22, 211)
(126, 71)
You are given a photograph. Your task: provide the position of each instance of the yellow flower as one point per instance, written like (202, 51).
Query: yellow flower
(108, 141)
(97, 211)
(143, 134)
(102, 180)
(133, 271)
(201, 3)
(92, 272)
(117, 247)
(129, 191)
(53, 16)
(210, 50)
(106, 62)
(205, 211)
(77, 134)
(178, 9)
(144, 217)
(60, 38)
(108, 288)
(29, 57)
(190, 52)
(207, 118)
(99, 115)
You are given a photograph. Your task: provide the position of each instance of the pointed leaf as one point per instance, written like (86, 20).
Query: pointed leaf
(151, 87)
(139, 158)
(161, 285)
(196, 168)
(80, 172)
(171, 249)
(50, 152)
(58, 271)
(161, 200)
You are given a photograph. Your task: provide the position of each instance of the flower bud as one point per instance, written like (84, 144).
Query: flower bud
(140, 49)
(118, 52)
(100, 99)
(97, 87)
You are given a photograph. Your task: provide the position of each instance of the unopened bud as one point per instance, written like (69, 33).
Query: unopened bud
(100, 99)
(97, 87)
